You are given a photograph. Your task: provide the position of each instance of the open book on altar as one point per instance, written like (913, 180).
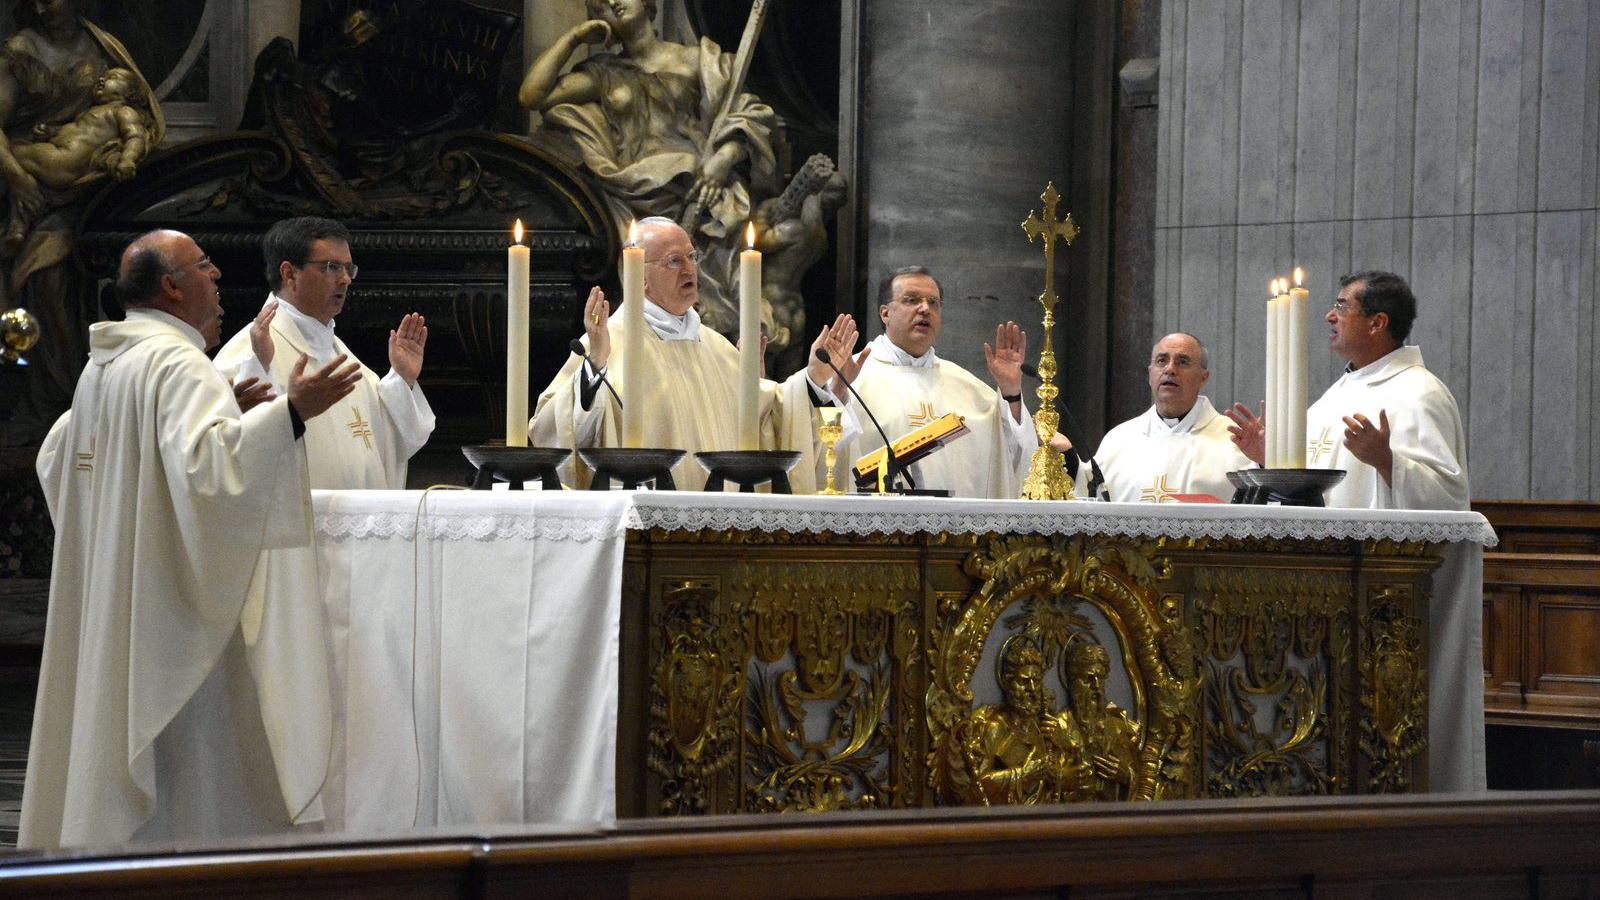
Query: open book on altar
(911, 447)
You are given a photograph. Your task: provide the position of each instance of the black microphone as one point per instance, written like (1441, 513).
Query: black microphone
(576, 346)
(1096, 479)
(888, 448)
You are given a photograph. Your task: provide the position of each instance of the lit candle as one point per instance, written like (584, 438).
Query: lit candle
(633, 340)
(517, 271)
(1299, 307)
(1271, 406)
(749, 342)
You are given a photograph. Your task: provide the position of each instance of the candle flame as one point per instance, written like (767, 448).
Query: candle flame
(633, 233)
(750, 235)
(1299, 275)
(516, 232)
(1272, 288)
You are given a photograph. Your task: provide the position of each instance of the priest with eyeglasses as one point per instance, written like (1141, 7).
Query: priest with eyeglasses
(691, 392)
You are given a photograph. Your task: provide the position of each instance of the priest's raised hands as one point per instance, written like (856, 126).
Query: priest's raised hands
(406, 345)
(1249, 432)
(252, 392)
(312, 394)
(596, 315)
(1370, 443)
(839, 339)
(1005, 359)
(261, 335)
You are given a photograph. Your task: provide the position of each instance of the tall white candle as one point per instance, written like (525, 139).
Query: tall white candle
(1282, 339)
(633, 340)
(517, 272)
(749, 343)
(1271, 405)
(1299, 309)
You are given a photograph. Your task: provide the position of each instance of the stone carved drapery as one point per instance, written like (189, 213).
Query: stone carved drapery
(795, 671)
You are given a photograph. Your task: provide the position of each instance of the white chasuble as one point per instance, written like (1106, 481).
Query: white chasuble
(907, 392)
(691, 403)
(1147, 460)
(149, 722)
(366, 440)
(1429, 446)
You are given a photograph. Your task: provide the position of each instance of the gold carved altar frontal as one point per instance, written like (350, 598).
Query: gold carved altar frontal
(775, 672)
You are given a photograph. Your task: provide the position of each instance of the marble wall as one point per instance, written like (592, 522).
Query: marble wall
(1456, 142)
(963, 117)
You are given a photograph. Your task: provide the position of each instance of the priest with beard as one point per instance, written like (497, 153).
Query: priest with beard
(1181, 444)
(908, 386)
(166, 710)
(691, 399)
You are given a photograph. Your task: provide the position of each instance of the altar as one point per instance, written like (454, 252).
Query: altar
(503, 657)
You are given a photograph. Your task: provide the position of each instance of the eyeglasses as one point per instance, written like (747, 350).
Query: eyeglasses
(204, 263)
(332, 267)
(675, 260)
(912, 301)
(1341, 308)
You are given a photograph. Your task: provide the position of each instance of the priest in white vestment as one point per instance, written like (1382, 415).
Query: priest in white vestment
(1395, 429)
(1389, 423)
(907, 386)
(165, 711)
(367, 440)
(1180, 445)
(691, 400)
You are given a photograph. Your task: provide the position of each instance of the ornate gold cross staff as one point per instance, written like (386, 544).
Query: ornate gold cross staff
(1047, 473)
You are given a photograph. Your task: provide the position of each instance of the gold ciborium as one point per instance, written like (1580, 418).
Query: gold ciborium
(831, 429)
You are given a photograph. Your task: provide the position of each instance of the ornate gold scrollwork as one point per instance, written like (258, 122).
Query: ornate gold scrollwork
(1394, 695)
(827, 727)
(1025, 750)
(1275, 640)
(695, 691)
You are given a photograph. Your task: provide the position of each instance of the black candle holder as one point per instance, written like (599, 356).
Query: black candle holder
(631, 466)
(748, 468)
(1290, 487)
(514, 465)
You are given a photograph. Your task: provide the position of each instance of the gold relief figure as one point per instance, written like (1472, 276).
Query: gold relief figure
(1020, 750)
(1110, 738)
(792, 235)
(638, 116)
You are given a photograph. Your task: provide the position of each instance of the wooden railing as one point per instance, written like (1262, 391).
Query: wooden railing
(1541, 614)
(1508, 845)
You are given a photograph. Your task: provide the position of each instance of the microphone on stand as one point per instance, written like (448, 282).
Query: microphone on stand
(888, 448)
(1096, 479)
(576, 346)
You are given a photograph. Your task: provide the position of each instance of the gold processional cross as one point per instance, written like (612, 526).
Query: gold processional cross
(1047, 473)
(360, 429)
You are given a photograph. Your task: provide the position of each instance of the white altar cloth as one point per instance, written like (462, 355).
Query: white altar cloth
(475, 657)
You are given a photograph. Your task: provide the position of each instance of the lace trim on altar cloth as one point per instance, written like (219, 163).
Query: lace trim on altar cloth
(1341, 524)
(605, 517)
(467, 526)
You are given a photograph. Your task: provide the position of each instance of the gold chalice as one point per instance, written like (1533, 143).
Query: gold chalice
(831, 429)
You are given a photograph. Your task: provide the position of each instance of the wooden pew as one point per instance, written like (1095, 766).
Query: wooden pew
(1511, 845)
(1541, 614)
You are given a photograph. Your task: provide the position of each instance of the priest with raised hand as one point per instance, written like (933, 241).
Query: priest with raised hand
(692, 399)
(908, 386)
(367, 442)
(1389, 423)
(153, 720)
(1181, 445)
